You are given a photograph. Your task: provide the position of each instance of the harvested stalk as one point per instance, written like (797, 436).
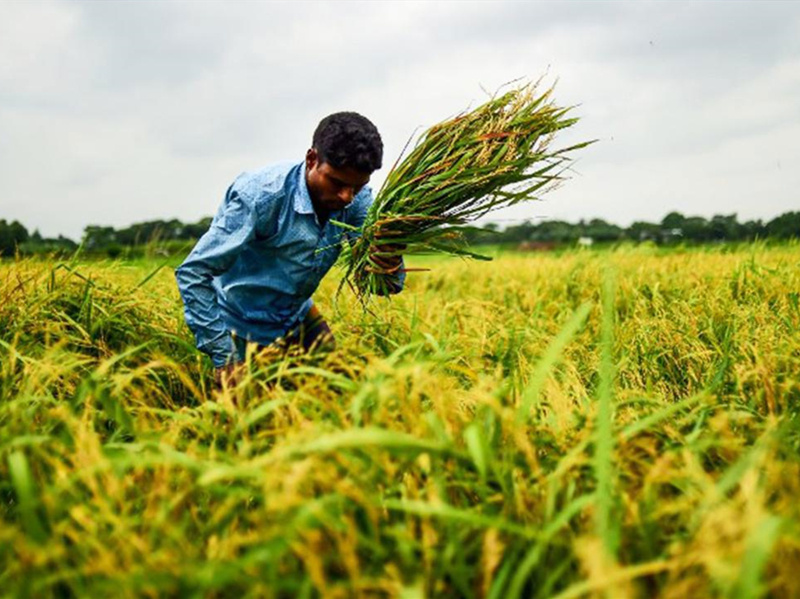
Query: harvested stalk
(459, 170)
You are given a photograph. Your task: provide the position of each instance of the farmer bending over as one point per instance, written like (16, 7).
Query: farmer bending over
(251, 275)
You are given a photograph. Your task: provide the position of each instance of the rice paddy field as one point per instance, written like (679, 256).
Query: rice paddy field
(601, 423)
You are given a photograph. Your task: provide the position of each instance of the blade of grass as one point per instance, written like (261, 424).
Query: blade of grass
(27, 499)
(605, 527)
(548, 360)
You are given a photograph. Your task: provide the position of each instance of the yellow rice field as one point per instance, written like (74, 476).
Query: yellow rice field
(618, 423)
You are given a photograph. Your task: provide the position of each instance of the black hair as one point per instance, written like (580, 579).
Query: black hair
(347, 139)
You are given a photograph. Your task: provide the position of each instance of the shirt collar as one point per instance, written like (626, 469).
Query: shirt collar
(302, 199)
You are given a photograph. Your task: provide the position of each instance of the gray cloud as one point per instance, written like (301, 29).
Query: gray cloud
(116, 112)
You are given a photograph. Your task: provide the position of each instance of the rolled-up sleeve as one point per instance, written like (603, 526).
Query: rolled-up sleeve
(357, 216)
(215, 252)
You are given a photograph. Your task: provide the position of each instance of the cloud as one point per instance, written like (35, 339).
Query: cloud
(120, 112)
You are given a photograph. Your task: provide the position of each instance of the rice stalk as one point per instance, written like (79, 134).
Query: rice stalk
(461, 169)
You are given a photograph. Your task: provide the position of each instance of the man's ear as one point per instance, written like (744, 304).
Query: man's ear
(311, 159)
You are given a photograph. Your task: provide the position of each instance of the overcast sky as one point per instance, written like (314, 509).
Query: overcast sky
(119, 112)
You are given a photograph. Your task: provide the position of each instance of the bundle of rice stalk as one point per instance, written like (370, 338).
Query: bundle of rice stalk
(459, 170)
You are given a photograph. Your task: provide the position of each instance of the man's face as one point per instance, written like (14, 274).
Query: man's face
(332, 188)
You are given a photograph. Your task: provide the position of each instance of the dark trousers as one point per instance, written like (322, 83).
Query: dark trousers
(311, 335)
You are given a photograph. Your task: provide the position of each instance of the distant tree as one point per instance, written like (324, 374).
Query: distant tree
(11, 236)
(173, 234)
(36, 244)
(724, 228)
(753, 229)
(643, 231)
(555, 230)
(18, 232)
(519, 233)
(161, 230)
(786, 226)
(673, 220)
(695, 228)
(6, 241)
(65, 241)
(600, 230)
(98, 238)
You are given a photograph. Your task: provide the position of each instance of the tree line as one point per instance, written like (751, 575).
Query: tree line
(674, 228)
(103, 240)
(171, 236)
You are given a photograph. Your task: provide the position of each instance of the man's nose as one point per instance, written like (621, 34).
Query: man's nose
(346, 194)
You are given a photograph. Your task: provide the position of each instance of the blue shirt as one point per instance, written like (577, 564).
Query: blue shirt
(254, 271)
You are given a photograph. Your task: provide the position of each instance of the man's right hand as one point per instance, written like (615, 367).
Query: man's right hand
(388, 256)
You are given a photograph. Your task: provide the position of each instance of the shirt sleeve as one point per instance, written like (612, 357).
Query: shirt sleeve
(215, 252)
(357, 218)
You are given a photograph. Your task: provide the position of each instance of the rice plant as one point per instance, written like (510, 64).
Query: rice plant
(491, 157)
(606, 423)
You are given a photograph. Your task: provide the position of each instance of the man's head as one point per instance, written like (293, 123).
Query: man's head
(345, 151)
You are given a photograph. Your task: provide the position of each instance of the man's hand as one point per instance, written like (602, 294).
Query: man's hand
(387, 260)
(388, 257)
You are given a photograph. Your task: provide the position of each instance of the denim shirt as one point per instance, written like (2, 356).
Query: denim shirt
(254, 271)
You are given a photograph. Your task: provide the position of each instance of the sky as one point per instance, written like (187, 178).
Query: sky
(113, 113)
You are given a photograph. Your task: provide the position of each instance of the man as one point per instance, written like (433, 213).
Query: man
(251, 276)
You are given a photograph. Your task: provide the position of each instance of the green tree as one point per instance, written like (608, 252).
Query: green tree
(673, 220)
(724, 228)
(98, 238)
(600, 230)
(785, 226)
(695, 228)
(11, 236)
(644, 231)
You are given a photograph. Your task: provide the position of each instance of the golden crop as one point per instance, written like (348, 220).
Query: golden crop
(597, 423)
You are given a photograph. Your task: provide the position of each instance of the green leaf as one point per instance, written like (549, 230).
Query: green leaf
(549, 359)
(28, 503)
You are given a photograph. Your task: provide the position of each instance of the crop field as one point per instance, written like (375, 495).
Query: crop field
(597, 423)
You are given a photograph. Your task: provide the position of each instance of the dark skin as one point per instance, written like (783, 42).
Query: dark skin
(331, 189)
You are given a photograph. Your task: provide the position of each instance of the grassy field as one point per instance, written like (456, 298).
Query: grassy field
(597, 423)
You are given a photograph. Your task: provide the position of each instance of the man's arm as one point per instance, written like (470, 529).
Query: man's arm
(215, 252)
(396, 280)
